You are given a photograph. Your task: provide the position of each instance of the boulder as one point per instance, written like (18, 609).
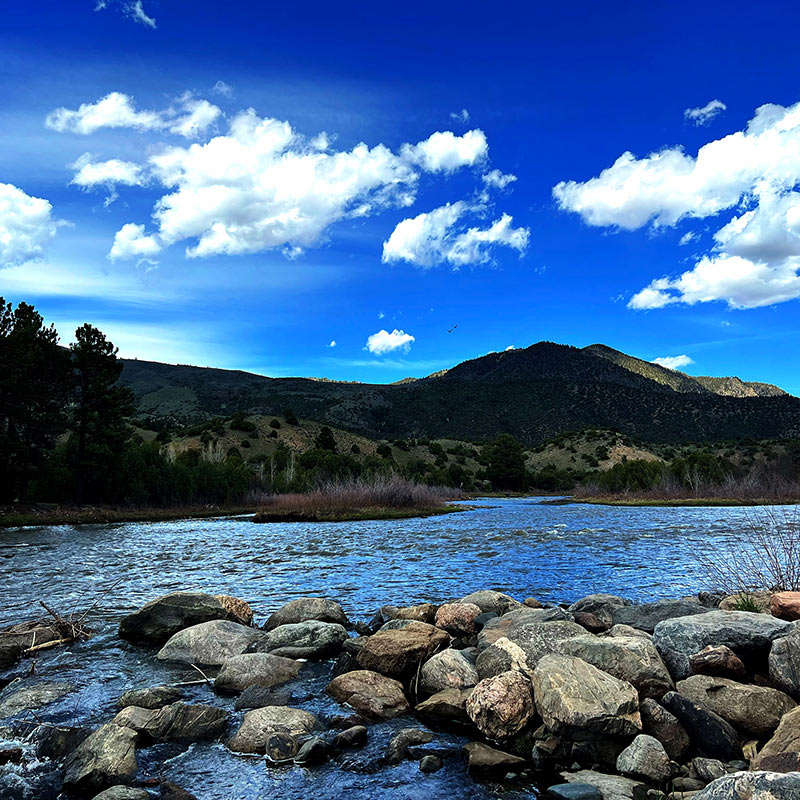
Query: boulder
(447, 706)
(255, 669)
(397, 653)
(281, 747)
(449, 669)
(458, 619)
(629, 658)
(313, 751)
(782, 752)
(664, 726)
(748, 635)
(576, 698)
(259, 696)
(717, 660)
(187, 722)
(163, 617)
(57, 741)
(261, 723)
(481, 758)
(645, 757)
(752, 786)
(135, 717)
(370, 693)
(711, 735)
(210, 643)
(16, 699)
(397, 749)
(430, 763)
(707, 769)
(488, 600)
(784, 664)
(592, 623)
(601, 605)
(755, 710)
(105, 758)
(303, 609)
(312, 640)
(123, 793)
(514, 621)
(612, 787)
(501, 706)
(733, 602)
(627, 630)
(502, 656)
(171, 791)
(16, 639)
(355, 736)
(574, 791)
(645, 617)
(785, 605)
(151, 697)
(423, 612)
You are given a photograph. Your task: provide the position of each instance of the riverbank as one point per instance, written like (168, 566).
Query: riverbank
(352, 514)
(670, 502)
(596, 699)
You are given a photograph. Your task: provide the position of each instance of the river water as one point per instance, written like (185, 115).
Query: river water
(520, 546)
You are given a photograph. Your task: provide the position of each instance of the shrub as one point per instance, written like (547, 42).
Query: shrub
(290, 418)
(274, 423)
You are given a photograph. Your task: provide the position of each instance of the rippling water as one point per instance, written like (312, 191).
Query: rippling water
(555, 553)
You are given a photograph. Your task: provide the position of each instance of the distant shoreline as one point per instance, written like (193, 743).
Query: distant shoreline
(685, 502)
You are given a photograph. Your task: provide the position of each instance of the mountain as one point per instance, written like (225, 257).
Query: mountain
(534, 393)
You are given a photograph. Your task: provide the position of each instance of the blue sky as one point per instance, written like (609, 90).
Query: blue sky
(138, 191)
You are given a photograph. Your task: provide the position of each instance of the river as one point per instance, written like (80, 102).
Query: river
(520, 546)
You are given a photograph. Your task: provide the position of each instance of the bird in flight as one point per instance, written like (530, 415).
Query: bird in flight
(450, 330)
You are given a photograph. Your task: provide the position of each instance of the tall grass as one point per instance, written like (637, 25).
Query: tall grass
(391, 492)
(765, 558)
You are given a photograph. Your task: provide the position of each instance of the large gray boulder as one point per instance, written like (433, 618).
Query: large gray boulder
(447, 706)
(784, 664)
(629, 658)
(501, 706)
(16, 699)
(646, 616)
(303, 609)
(601, 605)
(612, 787)
(711, 735)
(150, 697)
(575, 698)
(502, 656)
(260, 724)
(782, 752)
(397, 653)
(449, 669)
(370, 693)
(645, 757)
(488, 600)
(107, 757)
(755, 710)
(255, 669)
(210, 643)
(178, 722)
(159, 619)
(513, 621)
(312, 640)
(748, 635)
(753, 786)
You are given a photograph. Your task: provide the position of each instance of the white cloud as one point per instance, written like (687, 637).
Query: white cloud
(687, 237)
(510, 347)
(673, 362)
(704, 114)
(433, 238)
(385, 342)
(756, 253)
(191, 118)
(333, 343)
(497, 179)
(131, 241)
(137, 13)
(460, 116)
(90, 173)
(26, 226)
(225, 89)
(381, 315)
(443, 151)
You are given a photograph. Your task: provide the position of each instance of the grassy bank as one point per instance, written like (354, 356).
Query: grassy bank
(63, 515)
(710, 502)
(340, 501)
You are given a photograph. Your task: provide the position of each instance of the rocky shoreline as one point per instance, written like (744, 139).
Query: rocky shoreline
(597, 700)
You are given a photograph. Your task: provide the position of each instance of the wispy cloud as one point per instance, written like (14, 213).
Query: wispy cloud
(673, 362)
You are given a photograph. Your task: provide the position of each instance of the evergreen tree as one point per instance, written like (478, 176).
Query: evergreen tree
(325, 439)
(506, 463)
(33, 393)
(100, 432)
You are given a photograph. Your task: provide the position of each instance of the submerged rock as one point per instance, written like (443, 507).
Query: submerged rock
(370, 693)
(397, 749)
(312, 640)
(151, 697)
(210, 643)
(105, 758)
(16, 699)
(576, 698)
(163, 617)
(303, 609)
(501, 706)
(755, 710)
(255, 669)
(258, 725)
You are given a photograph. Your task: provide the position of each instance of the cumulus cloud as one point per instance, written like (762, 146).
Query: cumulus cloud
(673, 362)
(704, 114)
(498, 180)
(90, 173)
(26, 226)
(755, 257)
(460, 116)
(332, 343)
(131, 241)
(435, 237)
(443, 151)
(384, 342)
(191, 118)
